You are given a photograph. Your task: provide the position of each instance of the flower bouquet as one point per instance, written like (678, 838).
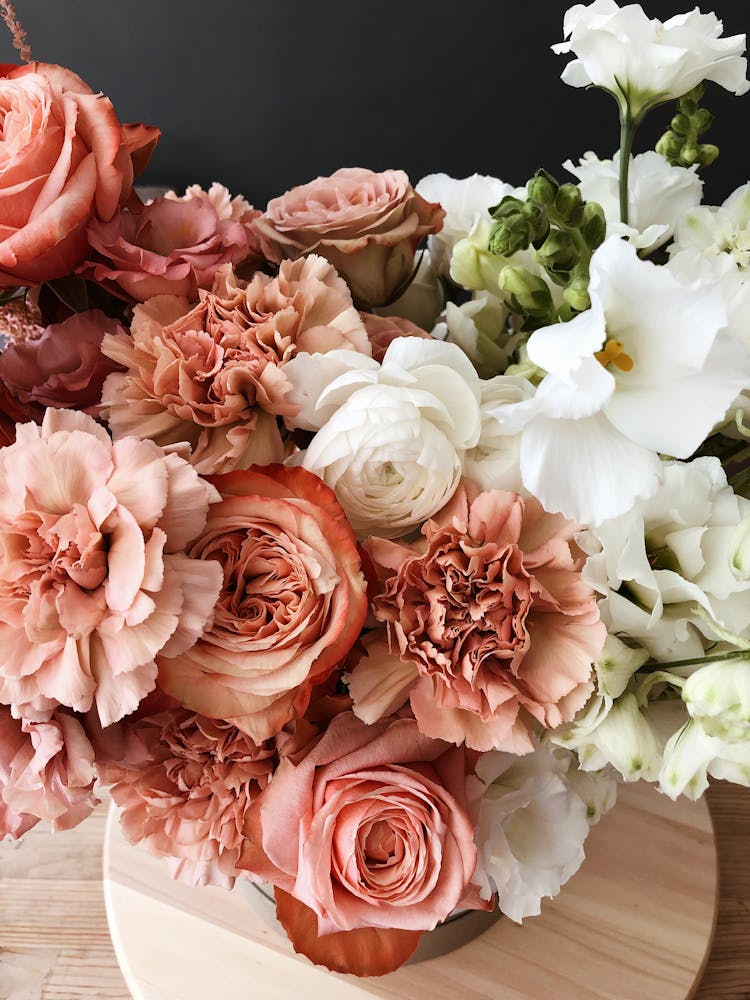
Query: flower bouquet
(362, 545)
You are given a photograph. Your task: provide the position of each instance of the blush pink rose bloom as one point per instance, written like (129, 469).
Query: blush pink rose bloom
(292, 604)
(368, 225)
(172, 247)
(64, 159)
(184, 791)
(383, 330)
(46, 773)
(63, 366)
(368, 831)
(491, 626)
(94, 582)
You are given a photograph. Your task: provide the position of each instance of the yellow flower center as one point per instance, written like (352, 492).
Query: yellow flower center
(614, 354)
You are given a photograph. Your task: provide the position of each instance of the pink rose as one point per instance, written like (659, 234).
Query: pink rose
(64, 159)
(367, 834)
(185, 789)
(490, 624)
(94, 582)
(172, 247)
(383, 330)
(46, 773)
(368, 225)
(291, 607)
(63, 366)
(191, 375)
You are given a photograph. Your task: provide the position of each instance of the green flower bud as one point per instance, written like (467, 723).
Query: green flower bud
(509, 236)
(543, 188)
(689, 154)
(577, 293)
(680, 124)
(702, 120)
(718, 698)
(558, 255)
(508, 207)
(569, 204)
(594, 228)
(526, 293)
(707, 153)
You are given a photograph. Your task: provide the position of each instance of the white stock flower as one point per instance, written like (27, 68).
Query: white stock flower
(479, 328)
(643, 61)
(644, 371)
(668, 554)
(691, 755)
(658, 195)
(531, 829)
(712, 244)
(718, 698)
(390, 438)
(472, 266)
(465, 200)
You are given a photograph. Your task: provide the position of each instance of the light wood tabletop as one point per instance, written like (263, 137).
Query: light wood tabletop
(55, 944)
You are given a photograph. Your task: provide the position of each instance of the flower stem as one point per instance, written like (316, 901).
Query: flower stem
(628, 128)
(735, 654)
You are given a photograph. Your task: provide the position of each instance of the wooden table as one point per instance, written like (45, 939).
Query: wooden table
(54, 941)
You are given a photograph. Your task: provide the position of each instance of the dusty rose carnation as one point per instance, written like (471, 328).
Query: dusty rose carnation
(489, 621)
(368, 833)
(367, 224)
(64, 158)
(20, 319)
(185, 790)
(63, 366)
(93, 579)
(383, 330)
(46, 773)
(173, 247)
(292, 604)
(192, 376)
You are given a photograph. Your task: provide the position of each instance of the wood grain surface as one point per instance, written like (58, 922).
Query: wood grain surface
(55, 944)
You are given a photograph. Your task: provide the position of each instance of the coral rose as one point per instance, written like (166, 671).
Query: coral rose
(46, 772)
(172, 247)
(185, 789)
(491, 613)
(63, 366)
(291, 607)
(64, 159)
(383, 330)
(368, 225)
(368, 833)
(93, 578)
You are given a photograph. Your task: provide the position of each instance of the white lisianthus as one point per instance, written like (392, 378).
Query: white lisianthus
(644, 62)
(390, 437)
(668, 555)
(644, 371)
(532, 827)
(465, 201)
(739, 549)
(494, 463)
(712, 244)
(718, 698)
(658, 195)
(691, 755)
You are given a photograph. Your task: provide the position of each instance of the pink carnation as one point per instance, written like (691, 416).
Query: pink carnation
(185, 790)
(46, 773)
(383, 330)
(93, 579)
(490, 622)
(173, 247)
(63, 366)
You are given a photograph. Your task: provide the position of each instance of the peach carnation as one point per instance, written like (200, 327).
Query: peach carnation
(93, 579)
(383, 330)
(172, 247)
(368, 225)
(368, 840)
(46, 773)
(291, 607)
(490, 622)
(185, 790)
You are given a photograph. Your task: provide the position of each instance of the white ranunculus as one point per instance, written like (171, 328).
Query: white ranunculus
(531, 829)
(645, 370)
(390, 437)
(691, 755)
(465, 201)
(643, 61)
(658, 195)
(712, 245)
(668, 555)
(494, 462)
(718, 698)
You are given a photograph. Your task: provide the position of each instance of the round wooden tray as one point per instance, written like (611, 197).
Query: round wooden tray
(635, 923)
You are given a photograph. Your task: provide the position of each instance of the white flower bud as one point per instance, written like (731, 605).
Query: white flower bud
(718, 698)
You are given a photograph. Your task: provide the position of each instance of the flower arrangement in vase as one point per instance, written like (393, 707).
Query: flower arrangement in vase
(363, 544)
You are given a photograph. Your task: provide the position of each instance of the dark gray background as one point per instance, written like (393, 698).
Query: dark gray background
(264, 94)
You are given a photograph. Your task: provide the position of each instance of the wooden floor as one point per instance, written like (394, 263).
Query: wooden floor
(54, 942)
